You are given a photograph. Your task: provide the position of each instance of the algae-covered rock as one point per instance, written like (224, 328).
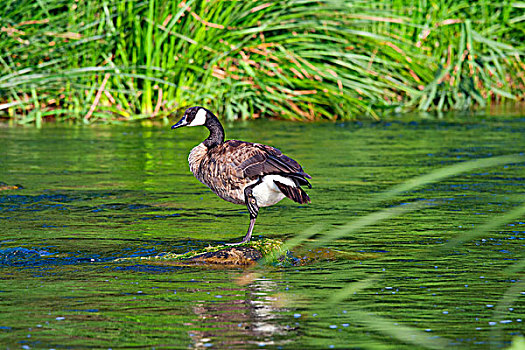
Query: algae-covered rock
(220, 255)
(238, 255)
(273, 251)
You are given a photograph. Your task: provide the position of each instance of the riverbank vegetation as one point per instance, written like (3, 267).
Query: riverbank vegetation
(89, 61)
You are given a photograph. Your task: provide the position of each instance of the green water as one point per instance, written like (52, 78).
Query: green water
(92, 195)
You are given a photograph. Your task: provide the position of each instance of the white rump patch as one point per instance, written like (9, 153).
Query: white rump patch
(284, 180)
(200, 118)
(267, 193)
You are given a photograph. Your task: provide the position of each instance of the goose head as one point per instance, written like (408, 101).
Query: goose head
(194, 116)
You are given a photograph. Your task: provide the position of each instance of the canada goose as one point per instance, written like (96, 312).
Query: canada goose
(242, 172)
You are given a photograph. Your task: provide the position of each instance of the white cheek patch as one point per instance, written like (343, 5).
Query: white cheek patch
(200, 118)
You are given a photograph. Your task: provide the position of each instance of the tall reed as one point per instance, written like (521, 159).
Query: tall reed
(297, 59)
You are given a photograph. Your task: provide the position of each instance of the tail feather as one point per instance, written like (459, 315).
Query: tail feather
(297, 194)
(300, 179)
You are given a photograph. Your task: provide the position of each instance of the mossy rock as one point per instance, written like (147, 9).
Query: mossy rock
(221, 255)
(249, 254)
(237, 255)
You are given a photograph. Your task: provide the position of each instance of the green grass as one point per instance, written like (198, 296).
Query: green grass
(298, 59)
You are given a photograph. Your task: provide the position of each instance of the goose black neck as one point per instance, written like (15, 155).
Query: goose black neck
(216, 133)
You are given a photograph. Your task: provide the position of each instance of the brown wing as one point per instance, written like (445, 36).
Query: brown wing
(234, 164)
(254, 160)
(251, 160)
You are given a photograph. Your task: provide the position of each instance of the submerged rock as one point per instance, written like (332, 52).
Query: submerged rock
(5, 187)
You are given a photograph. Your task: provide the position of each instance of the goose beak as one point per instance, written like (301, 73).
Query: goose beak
(180, 123)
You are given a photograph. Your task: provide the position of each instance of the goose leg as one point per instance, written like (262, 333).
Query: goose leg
(253, 209)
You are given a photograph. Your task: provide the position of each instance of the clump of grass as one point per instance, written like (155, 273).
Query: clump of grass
(302, 60)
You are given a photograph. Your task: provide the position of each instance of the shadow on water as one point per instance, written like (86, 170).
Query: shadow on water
(94, 195)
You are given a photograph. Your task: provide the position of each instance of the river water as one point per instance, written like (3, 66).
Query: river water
(92, 195)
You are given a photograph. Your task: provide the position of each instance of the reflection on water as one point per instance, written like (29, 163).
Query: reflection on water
(94, 195)
(249, 320)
